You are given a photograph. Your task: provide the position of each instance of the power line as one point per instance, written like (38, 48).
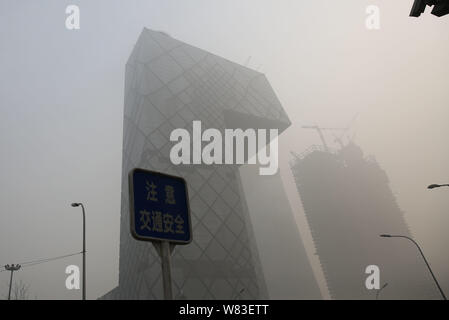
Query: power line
(40, 261)
(50, 259)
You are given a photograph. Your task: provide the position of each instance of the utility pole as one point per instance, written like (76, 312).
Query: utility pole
(12, 268)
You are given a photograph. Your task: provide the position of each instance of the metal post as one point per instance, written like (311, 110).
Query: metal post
(84, 253)
(166, 270)
(422, 255)
(428, 266)
(11, 268)
(10, 284)
(84, 247)
(378, 291)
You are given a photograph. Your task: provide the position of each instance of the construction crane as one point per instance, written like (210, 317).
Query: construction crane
(320, 133)
(337, 139)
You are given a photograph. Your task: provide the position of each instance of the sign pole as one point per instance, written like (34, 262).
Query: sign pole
(160, 213)
(166, 270)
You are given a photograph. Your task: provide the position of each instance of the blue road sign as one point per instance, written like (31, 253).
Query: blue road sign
(159, 207)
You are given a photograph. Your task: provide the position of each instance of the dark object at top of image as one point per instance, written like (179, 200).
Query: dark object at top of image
(440, 7)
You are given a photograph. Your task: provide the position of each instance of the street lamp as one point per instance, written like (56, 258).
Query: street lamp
(84, 247)
(424, 258)
(433, 186)
(13, 267)
(378, 291)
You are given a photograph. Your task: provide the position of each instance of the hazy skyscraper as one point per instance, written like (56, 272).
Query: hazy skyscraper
(169, 84)
(348, 204)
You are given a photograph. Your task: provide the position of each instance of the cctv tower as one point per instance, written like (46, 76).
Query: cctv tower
(169, 84)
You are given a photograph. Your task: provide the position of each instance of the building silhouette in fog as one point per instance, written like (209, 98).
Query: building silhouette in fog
(348, 204)
(169, 84)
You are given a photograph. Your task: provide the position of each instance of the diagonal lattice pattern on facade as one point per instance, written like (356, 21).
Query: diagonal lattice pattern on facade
(169, 84)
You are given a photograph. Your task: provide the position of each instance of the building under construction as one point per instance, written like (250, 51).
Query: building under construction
(348, 204)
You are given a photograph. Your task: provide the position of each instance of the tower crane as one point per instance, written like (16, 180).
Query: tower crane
(320, 133)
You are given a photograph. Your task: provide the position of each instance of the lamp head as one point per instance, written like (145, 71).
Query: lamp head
(75, 204)
(385, 236)
(433, 186)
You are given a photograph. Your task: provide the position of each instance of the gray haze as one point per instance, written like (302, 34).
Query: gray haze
(61, 112)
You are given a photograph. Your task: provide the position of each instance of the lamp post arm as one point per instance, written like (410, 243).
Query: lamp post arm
(427, 264)
(84, 251)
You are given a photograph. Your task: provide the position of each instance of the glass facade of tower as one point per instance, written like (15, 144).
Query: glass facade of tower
(169, 84)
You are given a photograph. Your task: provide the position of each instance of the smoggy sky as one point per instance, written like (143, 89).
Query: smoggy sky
(61, 112)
